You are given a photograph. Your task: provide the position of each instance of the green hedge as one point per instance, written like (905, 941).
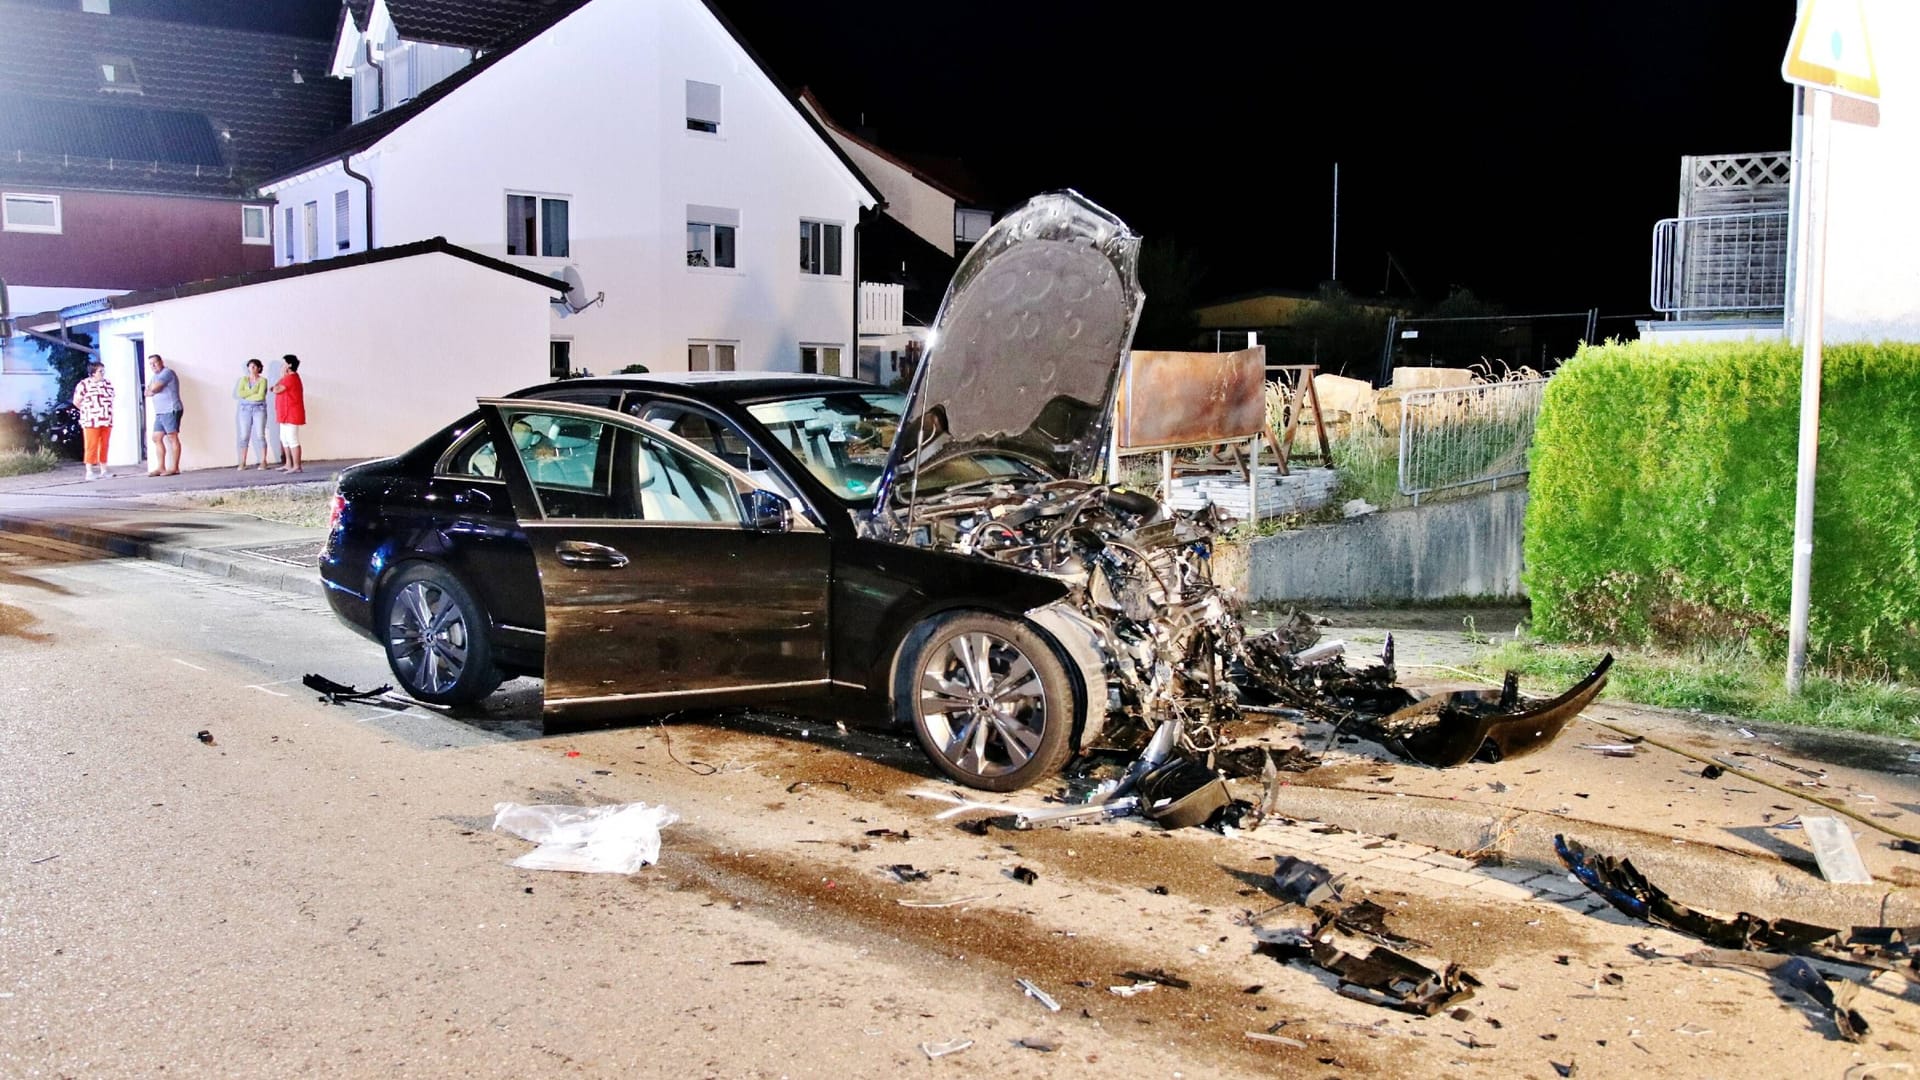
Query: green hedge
(1661, 509)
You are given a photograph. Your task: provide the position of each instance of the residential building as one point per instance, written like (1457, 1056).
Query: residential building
(128, 150)
(1740, 271)
(639, 152)
(932, 216)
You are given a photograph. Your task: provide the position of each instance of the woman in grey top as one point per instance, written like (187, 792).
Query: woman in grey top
(250, 414)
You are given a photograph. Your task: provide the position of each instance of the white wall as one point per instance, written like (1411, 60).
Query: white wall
(389, 353)
(594, 110)
(1873, 222)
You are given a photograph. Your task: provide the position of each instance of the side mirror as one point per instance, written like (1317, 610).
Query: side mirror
(764, 511)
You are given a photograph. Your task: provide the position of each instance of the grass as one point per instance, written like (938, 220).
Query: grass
(303, 504)
(27, 462)
(1730, 682)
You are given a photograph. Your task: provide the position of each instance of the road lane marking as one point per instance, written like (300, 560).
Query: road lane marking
(264, 690)
(183, 663)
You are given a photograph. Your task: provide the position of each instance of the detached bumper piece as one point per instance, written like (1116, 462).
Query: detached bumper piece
(1488, 725)
(1383, 977)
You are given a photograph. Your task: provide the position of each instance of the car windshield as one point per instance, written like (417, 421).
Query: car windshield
(842, 438)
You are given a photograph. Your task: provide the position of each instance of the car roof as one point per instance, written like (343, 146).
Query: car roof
(735, 386)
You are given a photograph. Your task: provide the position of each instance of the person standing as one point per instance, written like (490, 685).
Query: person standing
(93, 396)
(250, 415)
(290, 408)
(164, 389)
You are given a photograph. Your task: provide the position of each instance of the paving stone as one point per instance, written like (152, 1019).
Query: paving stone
(1451, 876)
(1504, 890)
(1400, 865)
(1451, 862)
(1558, 885)
(1517, 875)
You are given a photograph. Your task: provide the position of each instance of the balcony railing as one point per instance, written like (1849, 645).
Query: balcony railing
(882, 307)
(1716, 265)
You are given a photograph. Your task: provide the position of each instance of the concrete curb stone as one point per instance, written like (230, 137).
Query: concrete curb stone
(215, 562)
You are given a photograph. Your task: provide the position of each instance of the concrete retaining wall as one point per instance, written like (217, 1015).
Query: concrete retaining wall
(1459, 548)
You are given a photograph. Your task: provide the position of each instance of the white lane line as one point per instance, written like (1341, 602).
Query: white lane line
(183, 663)
(264, 690)
(379, 715)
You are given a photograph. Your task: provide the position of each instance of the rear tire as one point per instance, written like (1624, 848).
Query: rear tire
(990, 701)
(435, 634)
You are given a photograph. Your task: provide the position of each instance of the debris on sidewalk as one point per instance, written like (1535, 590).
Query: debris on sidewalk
(333, 693)
(1302, 882)
(907, 873)
(1023, 875)
(206, 736)
(1037, 994)
(1160, 976)
(1837, 999)
(1382, 977)
(1834, 850)
(615, 839)
(1183, 793)
(1612, 749)
(940, 1050)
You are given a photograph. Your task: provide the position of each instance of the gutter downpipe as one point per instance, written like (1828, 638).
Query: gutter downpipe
(346, 166)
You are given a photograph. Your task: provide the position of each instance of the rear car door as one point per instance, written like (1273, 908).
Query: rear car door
(668, 583)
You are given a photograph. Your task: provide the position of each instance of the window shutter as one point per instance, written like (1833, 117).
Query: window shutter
(703, 105)
(342, 222)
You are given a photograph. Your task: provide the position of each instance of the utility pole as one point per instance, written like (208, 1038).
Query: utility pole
(1335, 275)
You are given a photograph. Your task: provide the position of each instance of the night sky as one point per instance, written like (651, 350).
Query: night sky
(1522, 150)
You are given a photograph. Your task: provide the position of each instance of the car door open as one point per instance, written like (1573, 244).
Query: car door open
(669, 581)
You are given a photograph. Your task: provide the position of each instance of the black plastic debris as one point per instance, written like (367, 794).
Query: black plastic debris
(1247, 762)
(1620, 884)
(976, 826)
(1713, 772)
(1302, 882)
(1157, 975)
(1182, 793)
(1836, 998)
(334, 693)
(1365, 919)
(897, 837)
(746, 963)
(1907, 846)
(1024, 875)
(205, 736)
(1386, 978)
(907, 873)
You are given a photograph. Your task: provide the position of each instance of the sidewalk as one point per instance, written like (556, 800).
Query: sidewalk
(1728, 844)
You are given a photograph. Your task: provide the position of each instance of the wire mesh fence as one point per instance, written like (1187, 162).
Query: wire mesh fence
(1467, 435)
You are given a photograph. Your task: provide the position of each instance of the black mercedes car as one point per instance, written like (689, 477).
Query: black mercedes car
(656, 543)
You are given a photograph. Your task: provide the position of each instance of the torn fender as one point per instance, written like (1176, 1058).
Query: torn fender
(1084, 642)
(1452, 729)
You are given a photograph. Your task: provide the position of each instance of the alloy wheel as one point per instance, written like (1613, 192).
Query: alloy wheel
(982, 704)
(427, 636)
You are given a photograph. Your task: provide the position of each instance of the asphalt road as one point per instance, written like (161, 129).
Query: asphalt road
(318, 892)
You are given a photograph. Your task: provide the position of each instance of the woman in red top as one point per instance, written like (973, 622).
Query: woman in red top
(290, 409)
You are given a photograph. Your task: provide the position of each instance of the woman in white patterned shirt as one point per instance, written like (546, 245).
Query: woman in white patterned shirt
(94, 398)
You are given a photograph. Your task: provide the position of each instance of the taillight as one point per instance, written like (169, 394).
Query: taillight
(334, 511)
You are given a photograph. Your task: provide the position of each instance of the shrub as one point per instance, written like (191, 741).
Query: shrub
(1662, 500)
(24, 462)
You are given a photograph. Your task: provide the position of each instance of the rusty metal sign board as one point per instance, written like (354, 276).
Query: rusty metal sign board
(1190, 399)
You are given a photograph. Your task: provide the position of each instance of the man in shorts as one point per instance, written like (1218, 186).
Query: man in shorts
(164, 390)
(290, 409)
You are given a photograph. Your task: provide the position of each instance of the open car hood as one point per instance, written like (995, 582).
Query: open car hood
(1019, 376)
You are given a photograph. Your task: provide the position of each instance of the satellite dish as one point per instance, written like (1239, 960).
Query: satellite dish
(576, 299)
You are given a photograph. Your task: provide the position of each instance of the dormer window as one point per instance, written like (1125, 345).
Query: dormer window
(117, 75)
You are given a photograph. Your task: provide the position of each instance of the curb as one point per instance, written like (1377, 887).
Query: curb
(1696, 874)
(297, 581)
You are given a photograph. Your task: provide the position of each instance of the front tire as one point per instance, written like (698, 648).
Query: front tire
(436, 637)
(990, 700)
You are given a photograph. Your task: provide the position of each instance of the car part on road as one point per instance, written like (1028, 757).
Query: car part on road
(1182, 793)
(1837, 999)
(334, 693)
(1037, 994)
(1834, 851)
(205, 736)
(436, 637)
(616, 839)
(1381, 976)
(1301, 882)
(940, 1050)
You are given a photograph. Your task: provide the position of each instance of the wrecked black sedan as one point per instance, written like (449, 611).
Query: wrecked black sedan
(949, 560)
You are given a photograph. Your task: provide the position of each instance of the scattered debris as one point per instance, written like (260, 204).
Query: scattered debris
(1907, 846)
(1381, 977)
(1570, 1070)
(206, 736)
(1277, 1040)
(940, 1050)
(1836, 999)
(1693, 1030)
(1619, 883)
(907, 873)
(616, 839)
(1302, 882)
(1038, 994)
(1024, 875)
(801, 785)
(1158, 975)
(1611, 750)
(1038, 1042)
(1712, 772)
(736, 963)
(1182, 793)
(1834, 850)
(898, 837)
(334, 693)
(1130, 991)
(962, 901)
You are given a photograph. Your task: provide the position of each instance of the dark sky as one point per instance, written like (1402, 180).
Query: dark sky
(1520, 148)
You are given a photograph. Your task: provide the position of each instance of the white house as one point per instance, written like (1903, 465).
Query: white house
(638, 150)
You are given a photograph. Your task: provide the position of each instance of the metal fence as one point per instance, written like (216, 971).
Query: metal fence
(1466, 435)
(1721, 264)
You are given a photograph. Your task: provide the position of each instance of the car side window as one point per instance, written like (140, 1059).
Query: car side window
(717, 436)
(569, 460)
(475, 456)
(670, 485)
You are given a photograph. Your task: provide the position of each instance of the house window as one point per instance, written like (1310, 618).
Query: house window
(970, 225)
(342, 222)
(310, 234)
(560, 357)
(819, 248)
(286, 235)
(30, 213)
(537, 225)
(703, 107)
(711, 231)
(711, 355)
(820, 359)
(254, 221)
(117, 74)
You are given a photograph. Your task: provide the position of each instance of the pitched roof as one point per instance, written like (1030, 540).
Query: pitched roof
(209, 113)
(431, 246)
(546, 14)
(468, 24)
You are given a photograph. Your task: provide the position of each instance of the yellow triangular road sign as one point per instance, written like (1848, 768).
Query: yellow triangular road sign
(1830, 50)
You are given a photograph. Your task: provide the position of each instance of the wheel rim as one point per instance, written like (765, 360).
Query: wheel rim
(427, 637)
(982, 704)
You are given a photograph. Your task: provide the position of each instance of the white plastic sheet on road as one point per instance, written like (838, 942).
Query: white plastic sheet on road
(616, 839)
